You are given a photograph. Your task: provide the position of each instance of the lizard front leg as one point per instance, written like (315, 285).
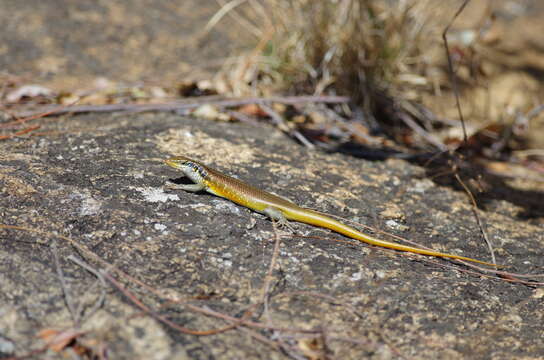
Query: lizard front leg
(186, 187)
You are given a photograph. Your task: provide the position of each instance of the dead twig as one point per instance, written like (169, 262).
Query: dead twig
(268, 278)
(37, 115)
(478, 219)
(514, 278)
(100, 280)
(453, 79)
(278, 120)
(67, 297)
(184, 105)
(21, 132)
(407, 119)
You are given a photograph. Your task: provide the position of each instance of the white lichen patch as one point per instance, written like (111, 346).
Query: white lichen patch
(392, 224)
(160, 227)
(89, 206)
(155, 194)
(356, 276)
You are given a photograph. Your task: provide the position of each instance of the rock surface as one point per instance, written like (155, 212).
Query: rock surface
(101, 181)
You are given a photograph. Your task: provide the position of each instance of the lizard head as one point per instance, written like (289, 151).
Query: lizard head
(191, 168)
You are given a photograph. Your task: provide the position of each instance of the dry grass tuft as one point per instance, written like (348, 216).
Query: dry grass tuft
(360, 48)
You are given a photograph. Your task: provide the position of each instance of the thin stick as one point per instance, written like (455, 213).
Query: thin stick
(503, 275)
(21, 132)
(184, 105)
(282, 125)
(23, 119)
(451, 72)
(100, 279)
(64, 285)
(478, 219)
(268, 278)
(422, 132)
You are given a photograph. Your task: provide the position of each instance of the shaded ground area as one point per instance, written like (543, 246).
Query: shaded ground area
(98, 179)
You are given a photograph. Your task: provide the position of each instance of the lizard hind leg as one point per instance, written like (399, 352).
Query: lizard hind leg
(278, 217)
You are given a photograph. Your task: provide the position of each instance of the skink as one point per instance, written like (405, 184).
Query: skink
(277, 208)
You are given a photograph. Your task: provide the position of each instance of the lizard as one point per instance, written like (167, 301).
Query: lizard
(278, 209)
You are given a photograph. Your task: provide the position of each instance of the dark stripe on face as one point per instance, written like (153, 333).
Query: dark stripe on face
(198, 169)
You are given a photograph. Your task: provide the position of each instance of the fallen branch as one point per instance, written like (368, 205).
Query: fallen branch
(182, 105)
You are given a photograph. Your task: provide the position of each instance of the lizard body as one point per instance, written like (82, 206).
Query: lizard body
(277, 208)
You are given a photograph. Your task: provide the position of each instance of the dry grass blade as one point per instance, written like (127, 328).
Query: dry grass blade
(228, 8)
(453, 79)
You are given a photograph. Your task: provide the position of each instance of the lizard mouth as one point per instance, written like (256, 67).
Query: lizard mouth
(172, 163)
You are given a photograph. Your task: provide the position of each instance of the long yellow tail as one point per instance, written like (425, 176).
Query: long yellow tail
(312, 217)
